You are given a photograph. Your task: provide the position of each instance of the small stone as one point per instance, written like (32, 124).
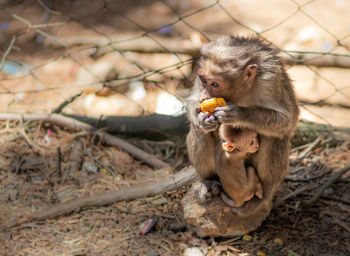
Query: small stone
(152, 253)
(37, 178)
(194, 251)
(278, 241)
(260, 253)
(11, 186)
(247, 238)
(90, 167)
(329, 191)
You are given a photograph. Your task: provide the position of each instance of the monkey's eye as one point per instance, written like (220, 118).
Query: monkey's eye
(214, 84)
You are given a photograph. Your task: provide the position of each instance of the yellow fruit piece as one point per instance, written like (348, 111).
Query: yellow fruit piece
(209, 105)
(104, 172)
(260, 253)
(247, 238)
(278, 241)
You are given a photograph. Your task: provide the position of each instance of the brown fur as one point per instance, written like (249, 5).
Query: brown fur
(252, 79)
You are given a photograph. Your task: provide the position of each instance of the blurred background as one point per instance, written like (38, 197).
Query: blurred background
(134, 57)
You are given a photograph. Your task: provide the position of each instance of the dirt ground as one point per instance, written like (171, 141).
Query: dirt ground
(30, 180)
(29, 175)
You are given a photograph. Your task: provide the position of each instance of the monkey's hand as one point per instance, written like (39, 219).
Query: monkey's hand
(226, 114)
(206, 122)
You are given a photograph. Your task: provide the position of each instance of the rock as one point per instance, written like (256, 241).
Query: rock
(216, 219)
(194, 251)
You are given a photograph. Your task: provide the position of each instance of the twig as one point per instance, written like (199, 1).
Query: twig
(330, 181)
(66, 102)
(59, 169)
(308, 144)
(13, 40)
(31, 144)
(314, 144)
(77, 125)
(338, 221)
(300, 147)
(294, 193)
(310, 178)
(187, 175)
(76, 157)
(335, 199)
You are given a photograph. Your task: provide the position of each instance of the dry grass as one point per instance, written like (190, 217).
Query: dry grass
(30, 180)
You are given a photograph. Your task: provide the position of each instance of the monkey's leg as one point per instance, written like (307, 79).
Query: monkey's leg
(254, 186)
(201, 151)
(233, 176)
(241, 187)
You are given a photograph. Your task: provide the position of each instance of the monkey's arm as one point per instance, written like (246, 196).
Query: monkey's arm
(263, 120)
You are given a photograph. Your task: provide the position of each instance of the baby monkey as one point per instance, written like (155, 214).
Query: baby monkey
(239, 182)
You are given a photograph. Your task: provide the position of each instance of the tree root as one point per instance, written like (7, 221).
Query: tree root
(107, 138)
(186, 176)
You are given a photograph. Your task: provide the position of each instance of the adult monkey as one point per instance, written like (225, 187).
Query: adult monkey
(249, 75)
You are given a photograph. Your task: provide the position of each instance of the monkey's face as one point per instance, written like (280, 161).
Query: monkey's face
(212, 85)
(224, 79)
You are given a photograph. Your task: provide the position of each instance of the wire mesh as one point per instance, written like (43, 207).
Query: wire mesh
(128, 57)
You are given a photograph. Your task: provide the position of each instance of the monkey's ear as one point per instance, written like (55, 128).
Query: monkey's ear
(189, 81)
(250, 72)
(195, 64)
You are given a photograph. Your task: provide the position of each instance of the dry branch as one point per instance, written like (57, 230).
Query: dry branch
(164, 126)
(154, 125)
(172, 182)
(329, 182)
(143, 44)
(129, 42)
(66, 102)
(320, 60)
(294, 193)
(77, 125)
(311, 147)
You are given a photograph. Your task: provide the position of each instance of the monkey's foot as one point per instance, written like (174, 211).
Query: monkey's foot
(207, 189)
(227, 200)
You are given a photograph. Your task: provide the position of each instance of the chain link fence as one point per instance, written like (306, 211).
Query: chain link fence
(134, 57)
